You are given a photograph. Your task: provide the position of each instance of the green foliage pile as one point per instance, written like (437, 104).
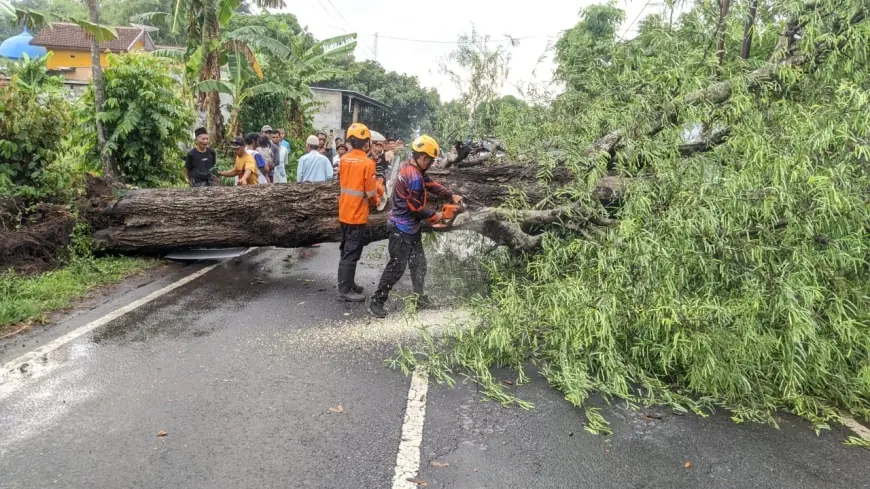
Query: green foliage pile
(33, 113)
(147, 122)
(735, 278)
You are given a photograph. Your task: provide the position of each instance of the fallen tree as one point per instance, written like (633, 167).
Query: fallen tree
(294, 215)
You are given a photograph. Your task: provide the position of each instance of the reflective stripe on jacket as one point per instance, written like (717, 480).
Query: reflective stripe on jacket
(358, 191)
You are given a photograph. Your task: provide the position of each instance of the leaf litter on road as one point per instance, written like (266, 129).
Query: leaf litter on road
(438, 463)
(338, 409)
(162, 433)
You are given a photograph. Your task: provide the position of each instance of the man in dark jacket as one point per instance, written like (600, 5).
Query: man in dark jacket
(404, 224)
(199, 161)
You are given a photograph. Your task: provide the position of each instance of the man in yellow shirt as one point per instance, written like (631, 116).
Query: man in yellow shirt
(245, 167)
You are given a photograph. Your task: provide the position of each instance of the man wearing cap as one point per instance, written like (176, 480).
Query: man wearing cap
(313, 166)
(245, 167)
(199, 161)
(358, 194)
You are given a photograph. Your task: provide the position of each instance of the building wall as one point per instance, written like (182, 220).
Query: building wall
(72, 58)
(328, 115)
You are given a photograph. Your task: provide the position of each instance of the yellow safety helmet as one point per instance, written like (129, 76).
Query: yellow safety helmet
(359, 131)
(427, 145)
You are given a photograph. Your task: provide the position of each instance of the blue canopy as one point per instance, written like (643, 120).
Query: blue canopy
(17, 46)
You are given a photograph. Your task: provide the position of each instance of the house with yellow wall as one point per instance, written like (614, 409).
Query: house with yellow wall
(70, 48)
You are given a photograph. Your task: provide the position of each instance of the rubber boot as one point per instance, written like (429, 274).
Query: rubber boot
(377, 309)
(345, 284)
(358, 289)
(377, 305)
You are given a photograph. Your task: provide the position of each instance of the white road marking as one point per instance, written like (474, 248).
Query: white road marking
(859, 429)
(87, 328)
(408, 459)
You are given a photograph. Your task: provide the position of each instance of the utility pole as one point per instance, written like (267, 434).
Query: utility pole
(375, 47)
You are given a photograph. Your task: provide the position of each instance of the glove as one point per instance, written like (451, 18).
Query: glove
(438, 217)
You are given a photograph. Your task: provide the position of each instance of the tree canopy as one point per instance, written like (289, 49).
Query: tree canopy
(733, 273)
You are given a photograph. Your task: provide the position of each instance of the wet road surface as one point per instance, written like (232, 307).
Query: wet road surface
(260, 379)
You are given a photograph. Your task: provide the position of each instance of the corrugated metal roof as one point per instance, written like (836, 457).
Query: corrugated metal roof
(351, 93)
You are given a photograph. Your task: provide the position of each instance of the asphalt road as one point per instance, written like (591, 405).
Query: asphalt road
(260, 379)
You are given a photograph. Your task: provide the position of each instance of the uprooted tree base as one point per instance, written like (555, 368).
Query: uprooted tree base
(295, 215)
(31, 241)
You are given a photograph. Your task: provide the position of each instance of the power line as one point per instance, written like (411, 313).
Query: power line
(337, 11)
(432, 41)
(635, 20)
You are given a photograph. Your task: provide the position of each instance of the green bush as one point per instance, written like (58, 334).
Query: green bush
(147, 122)
(33, 113)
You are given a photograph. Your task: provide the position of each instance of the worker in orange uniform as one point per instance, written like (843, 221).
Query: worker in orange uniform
(358, 193)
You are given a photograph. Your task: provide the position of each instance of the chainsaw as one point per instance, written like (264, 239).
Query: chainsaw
(449, 212)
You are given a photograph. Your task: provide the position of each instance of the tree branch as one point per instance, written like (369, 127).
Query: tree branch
(749, 30)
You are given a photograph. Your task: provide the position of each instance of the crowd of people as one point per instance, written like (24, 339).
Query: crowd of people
(261, 158)
(361, 163)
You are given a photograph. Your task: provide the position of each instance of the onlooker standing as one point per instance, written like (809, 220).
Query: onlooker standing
(267, 131)
(281, 165)
(252, 142)
(199, 161)
(313, 166)
(284, 143)
(323, 148)
(245, 169)
(265, 149)
(336, 161)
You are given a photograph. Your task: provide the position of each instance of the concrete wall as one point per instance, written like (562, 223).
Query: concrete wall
(328, 116)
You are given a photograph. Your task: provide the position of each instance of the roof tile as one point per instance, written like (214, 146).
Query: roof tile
(63, 35)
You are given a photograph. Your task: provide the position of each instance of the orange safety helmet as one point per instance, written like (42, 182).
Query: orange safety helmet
(427, 145)
(359, 131)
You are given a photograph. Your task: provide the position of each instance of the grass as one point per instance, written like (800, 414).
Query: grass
(28, 299)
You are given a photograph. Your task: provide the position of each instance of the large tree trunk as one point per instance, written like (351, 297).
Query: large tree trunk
(107, 160)
(284, 215)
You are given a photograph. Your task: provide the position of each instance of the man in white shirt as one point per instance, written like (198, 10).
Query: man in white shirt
(313, 166)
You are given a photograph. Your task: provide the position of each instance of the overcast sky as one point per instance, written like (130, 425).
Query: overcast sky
(538, 24)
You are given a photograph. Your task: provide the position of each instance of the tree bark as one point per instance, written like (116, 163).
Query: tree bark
(284, 215)
(211, 70)
(107, 160)
(749, 30)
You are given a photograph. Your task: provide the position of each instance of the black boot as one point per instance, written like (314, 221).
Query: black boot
(357, 289)
(377, 309)
(345, 284)
(378, 301)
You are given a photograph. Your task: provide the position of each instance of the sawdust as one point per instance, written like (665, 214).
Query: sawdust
(355, 333)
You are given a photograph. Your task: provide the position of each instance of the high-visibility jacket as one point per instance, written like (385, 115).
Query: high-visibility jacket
(358, 189)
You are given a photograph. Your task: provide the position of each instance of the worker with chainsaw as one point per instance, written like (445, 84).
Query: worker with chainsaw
(408, 212)
(358, 193)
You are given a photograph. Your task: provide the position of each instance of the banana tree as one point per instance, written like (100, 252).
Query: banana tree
(244, 74)
(204, 20)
